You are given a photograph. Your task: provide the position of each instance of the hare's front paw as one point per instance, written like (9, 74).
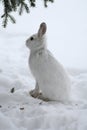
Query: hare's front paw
(34, 93)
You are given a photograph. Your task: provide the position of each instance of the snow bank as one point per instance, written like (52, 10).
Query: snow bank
(19, 111)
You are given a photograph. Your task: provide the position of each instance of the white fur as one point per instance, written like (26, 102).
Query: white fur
(50, 75)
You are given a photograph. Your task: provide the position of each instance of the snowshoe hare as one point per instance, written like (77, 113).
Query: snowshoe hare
(51, 78)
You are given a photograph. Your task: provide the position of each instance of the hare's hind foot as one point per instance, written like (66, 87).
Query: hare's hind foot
(40, 96)
(34, 93)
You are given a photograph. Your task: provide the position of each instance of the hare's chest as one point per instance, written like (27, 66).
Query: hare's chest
(37, 63)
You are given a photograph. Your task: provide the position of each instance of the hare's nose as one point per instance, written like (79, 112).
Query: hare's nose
(26, 42)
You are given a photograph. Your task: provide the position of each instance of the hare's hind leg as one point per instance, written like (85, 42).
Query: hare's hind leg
(35, 93)
(40, 96)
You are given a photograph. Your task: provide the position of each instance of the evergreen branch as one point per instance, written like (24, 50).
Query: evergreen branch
(7, 6)
(12, 19)
(26, 7)
(5, 20)
(32, 3)
(45, 2)
(51, 1)
(21, 9)
(23, 6)
(18, 2)
(13, 5)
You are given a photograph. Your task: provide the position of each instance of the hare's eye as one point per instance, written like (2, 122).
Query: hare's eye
(31, 38)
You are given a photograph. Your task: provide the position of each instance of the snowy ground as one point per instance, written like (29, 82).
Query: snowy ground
(19, 111)
(67, 39)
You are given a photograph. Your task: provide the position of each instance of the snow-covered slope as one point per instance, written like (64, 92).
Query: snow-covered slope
(67, 39)
(19, 111)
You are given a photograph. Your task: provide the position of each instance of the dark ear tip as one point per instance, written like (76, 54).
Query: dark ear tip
(42, 24)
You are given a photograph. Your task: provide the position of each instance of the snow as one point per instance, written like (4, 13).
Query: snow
(19, 111)
(67, 39)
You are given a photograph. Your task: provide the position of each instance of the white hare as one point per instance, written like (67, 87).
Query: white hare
(51, 78)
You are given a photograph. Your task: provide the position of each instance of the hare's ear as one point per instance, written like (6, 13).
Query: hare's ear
(42, 29)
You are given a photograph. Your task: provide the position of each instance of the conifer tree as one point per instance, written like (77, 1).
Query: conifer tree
(15, 5)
